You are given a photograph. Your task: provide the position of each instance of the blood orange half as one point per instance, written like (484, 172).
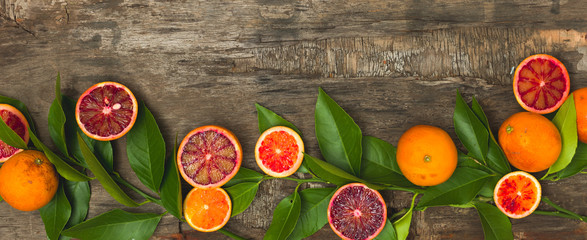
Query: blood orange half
(17, 122)
(517, 194)
(279, 151)
(209, 156)
(106, 111)
(541, 83)
(207, 210)
(357, 212)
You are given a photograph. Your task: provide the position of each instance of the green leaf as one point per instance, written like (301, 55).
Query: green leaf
(268, 119)
(78, 194)
(171, 197)
(64, 169)
(242, 196)
(145, 148)
(496, 159)
(402, 225)
(578, 164)
(103, 151)
(470, 129)
(55, 214)
(329, 172)
(379, 164)
(107, 182)
(460, 188)
(10, 137)
(496, 225)
(57, 119)
(22, 108)
(313, 212)
(116, 224)
(285, 217)
(244, 175)
(566, 122)
(339, 137)
(388, 232)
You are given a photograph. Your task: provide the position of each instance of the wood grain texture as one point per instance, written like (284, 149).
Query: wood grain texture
(389, 64)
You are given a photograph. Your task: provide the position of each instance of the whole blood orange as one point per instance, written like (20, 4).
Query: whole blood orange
(207, 210)
(209, 156)
(356, 211)
(426, 155)
(580, 97)
(28, 180)
(541, 83)
(530, 141)
(17, 122)
(279, 151)
(517, 194)
(106, 111)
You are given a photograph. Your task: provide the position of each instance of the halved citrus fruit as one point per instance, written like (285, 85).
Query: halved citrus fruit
(580, 97)
(106, 111)
(17, 122)
(541, 83)
(209, 156)
(517, 194)
(279, 151)
(357, 212)
(207, 210)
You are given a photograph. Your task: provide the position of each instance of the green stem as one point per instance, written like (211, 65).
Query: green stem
(405, 189)
(565, 211)
(231, 235)
(559, 214)
(121, 180)
(298, 180)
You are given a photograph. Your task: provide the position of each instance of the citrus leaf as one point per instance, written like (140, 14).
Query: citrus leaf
(268, 119)
(460, 188)
(578, 164)
(116, 224)
(496, 159)
(379, 164)
(107, 182)
(244, 175)
(313, 212)
(285, 217)
(171, 197)
(388, 232)
(104, 153)
(402, 225)
(145, 149)
(55, 214)
(78, 194)
(64, 169)
(22, 108)
(496, 225)
(242, 196)
(329, 172)
(470, 129)
(339, 137)
(57, 119)
(566, 122)
(10, 137)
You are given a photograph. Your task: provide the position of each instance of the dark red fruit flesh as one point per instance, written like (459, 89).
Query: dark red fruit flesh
(106, 111)
(15, 124)
(357, 212)
(278, 151)
(541, 84)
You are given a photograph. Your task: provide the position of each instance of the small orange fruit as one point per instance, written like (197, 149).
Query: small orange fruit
(530, 141)
(580, 97)
(426, 155)
(207, 210)
(517, 194)
(28, 180)
(279, 151)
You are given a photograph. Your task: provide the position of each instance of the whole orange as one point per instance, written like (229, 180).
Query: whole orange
(530, 141)
(426, 155)
(28, 180)
(580, 97)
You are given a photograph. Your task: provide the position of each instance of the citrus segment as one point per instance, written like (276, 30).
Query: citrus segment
(426, 155)
(106, 111)
(580, 97)
(517, 194)
(28, 181)
(541, 83)
(207, 210)
(17, 122)
(209, 156)
(279, 152)
(357, 212)
(523, 137)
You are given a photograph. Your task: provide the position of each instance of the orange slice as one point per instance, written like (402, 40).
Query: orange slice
(279, 151)
(207, 210)
(17, 122)
(517, 194)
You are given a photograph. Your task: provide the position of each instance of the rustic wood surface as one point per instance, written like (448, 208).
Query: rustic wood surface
(389, 64)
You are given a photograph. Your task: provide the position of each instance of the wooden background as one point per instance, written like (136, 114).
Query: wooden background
(389, 64)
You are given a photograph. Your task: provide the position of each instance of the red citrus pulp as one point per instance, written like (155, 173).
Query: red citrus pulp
(17, 122)
(279, 151)
(517, 194)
